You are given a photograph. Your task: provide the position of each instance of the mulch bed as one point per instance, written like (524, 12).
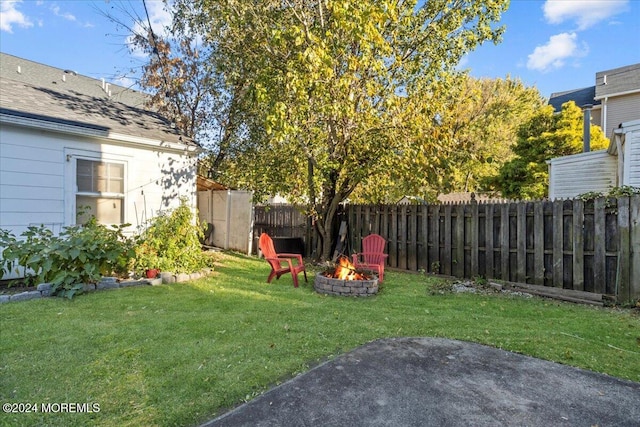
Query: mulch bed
(10, 287)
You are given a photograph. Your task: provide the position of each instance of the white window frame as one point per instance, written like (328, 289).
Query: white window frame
(71, 186)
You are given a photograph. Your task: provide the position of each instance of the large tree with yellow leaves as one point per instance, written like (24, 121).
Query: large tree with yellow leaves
(334, 93)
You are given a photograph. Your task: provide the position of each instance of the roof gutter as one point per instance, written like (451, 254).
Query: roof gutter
(96, 132)
(609, 95)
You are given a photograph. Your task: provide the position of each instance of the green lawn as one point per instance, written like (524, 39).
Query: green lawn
(182, 354)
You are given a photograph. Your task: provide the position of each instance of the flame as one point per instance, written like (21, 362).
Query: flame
(345, 270)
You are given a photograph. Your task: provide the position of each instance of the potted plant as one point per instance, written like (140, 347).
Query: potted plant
(147, 261)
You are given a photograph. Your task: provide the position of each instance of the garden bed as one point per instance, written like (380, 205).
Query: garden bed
(21, 292)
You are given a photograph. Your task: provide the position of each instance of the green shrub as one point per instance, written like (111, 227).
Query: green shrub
(171, 242)
(79, 254)
(622, 191)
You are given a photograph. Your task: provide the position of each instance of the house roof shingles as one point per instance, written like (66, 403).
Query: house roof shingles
(579, 96)
(33, 90)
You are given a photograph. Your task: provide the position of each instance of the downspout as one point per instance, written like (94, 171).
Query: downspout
(586, 128)
(604, 114)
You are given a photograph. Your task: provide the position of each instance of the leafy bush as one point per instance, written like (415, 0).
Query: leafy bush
(79, 254)
(171, 242)
(622, 191)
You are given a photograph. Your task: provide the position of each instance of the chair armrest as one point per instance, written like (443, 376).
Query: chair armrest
(290, 256)
(371, 253)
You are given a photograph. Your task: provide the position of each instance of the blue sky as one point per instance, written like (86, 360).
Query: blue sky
(554, 45)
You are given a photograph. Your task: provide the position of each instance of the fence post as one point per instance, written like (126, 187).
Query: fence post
(623, 285)
(473, 228)
(393, 238)
(504, 241)
(599, 245)
(538, 242)
(578, 245)
(489, 252)
(558, 244)
(412, 237)
(436, 262)
(458, 262)
(634, 247)
(401, 237)
(521, 233)
(425, 239)
(446, 257)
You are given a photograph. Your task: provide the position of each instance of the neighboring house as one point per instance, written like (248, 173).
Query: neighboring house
(68, 141)
(616, 109)
(599, 171)
(618, 91)
(582, 97)
(615, 98)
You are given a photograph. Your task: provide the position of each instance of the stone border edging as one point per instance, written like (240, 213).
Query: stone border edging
(43, 290)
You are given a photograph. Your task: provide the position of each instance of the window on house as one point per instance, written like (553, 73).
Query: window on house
(100, 191)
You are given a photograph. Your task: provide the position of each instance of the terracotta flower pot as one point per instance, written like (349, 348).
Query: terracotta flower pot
(152, 273)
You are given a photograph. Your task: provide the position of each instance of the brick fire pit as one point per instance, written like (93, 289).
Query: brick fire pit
(358, 288)
(345, 280)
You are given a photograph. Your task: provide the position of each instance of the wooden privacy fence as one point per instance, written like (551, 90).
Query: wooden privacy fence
(591, 246)
(279, 220)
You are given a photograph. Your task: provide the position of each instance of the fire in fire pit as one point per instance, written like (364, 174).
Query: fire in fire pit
(346, 280)
(345, 270)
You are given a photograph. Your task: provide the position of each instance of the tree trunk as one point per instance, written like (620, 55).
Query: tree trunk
(327, 217)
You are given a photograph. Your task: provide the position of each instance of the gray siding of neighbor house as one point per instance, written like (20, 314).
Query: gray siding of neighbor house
(570, 176)
(596, 117)
(622, 109)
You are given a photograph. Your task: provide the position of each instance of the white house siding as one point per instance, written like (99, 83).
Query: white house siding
(632, 158)
(621, 109)
(570, 176)
(37, 177)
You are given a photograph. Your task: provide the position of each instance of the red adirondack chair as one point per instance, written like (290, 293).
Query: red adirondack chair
(281, 263)
(372, 256)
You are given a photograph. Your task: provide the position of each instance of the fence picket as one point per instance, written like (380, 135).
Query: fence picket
(435, 265)
(458, 261)
(599, 256)
(538, 243)
(622, 285)
(412, 239)
(558, 265)
(521, 225)
(578, 245)
(634, 248)
(474, 249)
(489, 239)
(446, 257)
(504, 241)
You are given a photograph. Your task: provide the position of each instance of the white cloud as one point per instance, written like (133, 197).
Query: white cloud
(558, 49)
(10, 16)
(586, 13)
(66, 15)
